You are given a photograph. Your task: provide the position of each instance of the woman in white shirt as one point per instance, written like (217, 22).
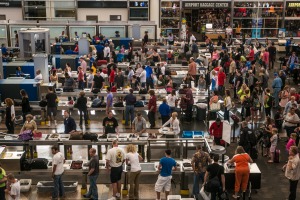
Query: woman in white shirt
(171, 101)
(106, 52)
(138, 69)
(90, 78)
(143, 78)
(227, 105)
(134, 159)
(174, 123)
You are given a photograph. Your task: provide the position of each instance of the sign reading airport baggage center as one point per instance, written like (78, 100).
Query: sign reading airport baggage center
(206, 5)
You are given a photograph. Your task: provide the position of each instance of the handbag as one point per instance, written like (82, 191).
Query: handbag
(90, 136)
(43, 103)
(77, 135)
(235, 119)
(25, 135)
(224, 196)
(204, 195)
(213, 184)
(215, 107)
(39, 163)
(77, 164)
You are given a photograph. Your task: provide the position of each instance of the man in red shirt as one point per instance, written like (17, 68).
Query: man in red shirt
(221, 81)
(190, 102)
(216, 130)
(80, 78)
(152, 108)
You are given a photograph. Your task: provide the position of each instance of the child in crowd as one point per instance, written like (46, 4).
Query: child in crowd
(136, 57)
(176, 55)
(169, 57)
(291, 142)
(273, 140)
(122, 50)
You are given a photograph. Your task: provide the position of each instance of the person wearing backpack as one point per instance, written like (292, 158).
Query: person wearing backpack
(247, 103)
(268, 102)
(215, 178)
(242, 170)
(200, 161)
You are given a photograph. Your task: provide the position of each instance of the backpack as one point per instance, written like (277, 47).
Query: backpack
(256, 103)
(96, 103)
(247, 102)
(186, 48)
(270, 101)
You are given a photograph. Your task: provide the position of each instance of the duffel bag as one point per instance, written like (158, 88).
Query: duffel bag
(43, 103)
(77, 135)
(90, 136)
(76, 164)
(39, 163)
(26, 135)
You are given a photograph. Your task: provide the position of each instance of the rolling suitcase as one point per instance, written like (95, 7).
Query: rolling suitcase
(276, 156)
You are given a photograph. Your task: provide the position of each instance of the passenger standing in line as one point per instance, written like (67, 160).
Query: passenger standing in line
(292, 171)
(114, 161)
(10, 115)
(26, 109)
(130, 100)
(133, 158)
(276, 85)
(164, 110)
(143, 77)
(93, 175)
(163, 183)
(200, 161)
(51, 98)
(58, 161)
(190, 102)
(69, 122)
(138, 125)
(242, 170)
(82, 107)
(80, 79)
(109, 100)
(152, 108)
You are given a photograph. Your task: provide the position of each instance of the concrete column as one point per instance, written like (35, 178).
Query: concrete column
(41, 63)
(155, 14)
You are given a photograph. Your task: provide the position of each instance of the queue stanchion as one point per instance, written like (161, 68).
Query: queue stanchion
(125, 185)
(84, 183)
(184, 189)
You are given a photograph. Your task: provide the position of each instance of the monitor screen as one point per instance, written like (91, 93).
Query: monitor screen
(208, 26)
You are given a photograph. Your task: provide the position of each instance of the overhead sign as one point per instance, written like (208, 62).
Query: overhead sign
(206, 5)
(293, 4)
(10, 4)
(102, 4)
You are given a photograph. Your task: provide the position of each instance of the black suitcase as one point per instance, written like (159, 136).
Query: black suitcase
(90, 136)
(39, 163)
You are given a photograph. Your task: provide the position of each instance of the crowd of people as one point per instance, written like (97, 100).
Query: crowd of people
(248, 70)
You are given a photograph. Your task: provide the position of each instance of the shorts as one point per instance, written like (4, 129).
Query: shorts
(116, 174)
(163, 183)
(51, 110)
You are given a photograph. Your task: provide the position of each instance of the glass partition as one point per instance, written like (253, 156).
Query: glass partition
(3, 35)
(17, 28)
(81, 29)
(110, 31)
(55, 31)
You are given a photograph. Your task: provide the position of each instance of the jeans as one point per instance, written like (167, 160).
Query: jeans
(290, 130)
(149, 83)
(164, 119)
(151, 117)
(129, 110)
(84, 116)
(197, 178)
(226, 114)
(2, 193)
(58, 186)
(80, 85)
(220, 90)
(134, 181)
(93, 190)
(189, 112)
(293, 189)
(214, 194)
(10, 126)
(276, 96)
